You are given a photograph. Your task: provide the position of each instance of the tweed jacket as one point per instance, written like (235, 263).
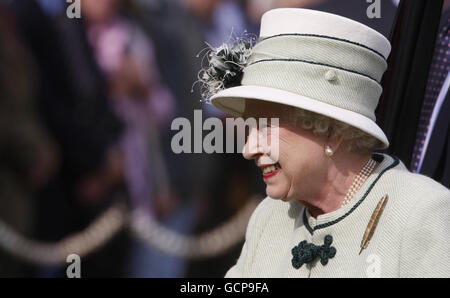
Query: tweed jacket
(412, 238)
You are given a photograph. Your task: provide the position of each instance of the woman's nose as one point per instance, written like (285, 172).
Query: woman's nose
(251, 148)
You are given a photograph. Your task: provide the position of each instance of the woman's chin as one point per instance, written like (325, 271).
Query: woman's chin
(276, 193)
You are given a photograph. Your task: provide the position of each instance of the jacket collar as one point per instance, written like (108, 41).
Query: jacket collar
(325, 220)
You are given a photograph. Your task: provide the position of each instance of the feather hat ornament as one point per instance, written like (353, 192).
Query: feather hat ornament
(225, 66)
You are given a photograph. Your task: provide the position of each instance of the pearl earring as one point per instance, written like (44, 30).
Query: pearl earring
(328, 151)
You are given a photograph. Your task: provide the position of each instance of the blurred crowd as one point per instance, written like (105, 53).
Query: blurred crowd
(86, 107)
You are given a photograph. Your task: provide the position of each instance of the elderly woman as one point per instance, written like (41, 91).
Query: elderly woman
(334, 207)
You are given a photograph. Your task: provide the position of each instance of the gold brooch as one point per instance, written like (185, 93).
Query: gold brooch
(373, 222)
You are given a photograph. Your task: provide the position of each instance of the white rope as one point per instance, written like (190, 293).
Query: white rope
(209, 244)
(101, 230)
(92, 238)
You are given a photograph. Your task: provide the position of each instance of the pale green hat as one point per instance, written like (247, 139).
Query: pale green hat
(316, 61)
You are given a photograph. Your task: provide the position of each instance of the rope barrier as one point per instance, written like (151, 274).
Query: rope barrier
(83, 243)
(208, 244)
(142, 226)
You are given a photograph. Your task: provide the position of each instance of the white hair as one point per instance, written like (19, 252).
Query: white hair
(355, 139)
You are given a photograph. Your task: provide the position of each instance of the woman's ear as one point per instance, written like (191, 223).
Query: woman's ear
(335, 141)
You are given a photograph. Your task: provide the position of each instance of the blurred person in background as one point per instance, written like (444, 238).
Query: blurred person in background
(218, 18)
(146, 107)
(126, 57)
(28, 157)
(73, 103)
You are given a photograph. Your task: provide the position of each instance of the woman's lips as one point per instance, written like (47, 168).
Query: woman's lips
(270, 171)
(271, 174)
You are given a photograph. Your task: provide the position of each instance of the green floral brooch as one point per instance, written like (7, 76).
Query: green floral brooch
(305, 252)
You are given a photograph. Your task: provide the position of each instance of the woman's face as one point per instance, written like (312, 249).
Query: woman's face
(300, 154)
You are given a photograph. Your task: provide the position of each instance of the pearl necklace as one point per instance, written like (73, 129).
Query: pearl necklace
(359, 180)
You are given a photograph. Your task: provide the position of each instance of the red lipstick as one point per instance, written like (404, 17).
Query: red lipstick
(272, 173)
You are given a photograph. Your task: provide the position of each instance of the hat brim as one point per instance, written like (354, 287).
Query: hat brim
(232, 101)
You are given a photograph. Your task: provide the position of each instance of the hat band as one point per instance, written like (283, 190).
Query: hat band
(344, 89)
(324, 50)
